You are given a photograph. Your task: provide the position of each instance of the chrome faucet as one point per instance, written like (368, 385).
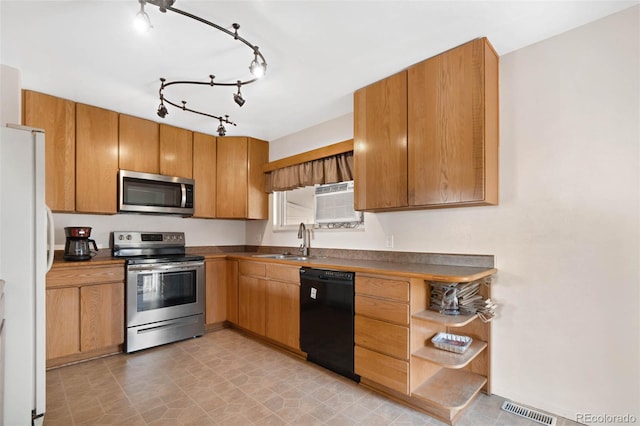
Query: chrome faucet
(304, 235)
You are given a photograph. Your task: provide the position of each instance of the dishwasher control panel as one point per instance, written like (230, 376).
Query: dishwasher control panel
(327, 274)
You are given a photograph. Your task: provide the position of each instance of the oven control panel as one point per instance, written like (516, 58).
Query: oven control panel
(136, 239)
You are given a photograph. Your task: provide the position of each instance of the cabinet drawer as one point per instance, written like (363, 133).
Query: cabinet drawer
(381, 287)
(64, 277)
(382, 309)
(389, 339)
(283, 273)
(382, 369)
(252, 268)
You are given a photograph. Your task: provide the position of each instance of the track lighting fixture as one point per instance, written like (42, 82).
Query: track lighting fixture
(142, 22)
(162, 110)
(257, 67)
(238, 96)
(221, 130)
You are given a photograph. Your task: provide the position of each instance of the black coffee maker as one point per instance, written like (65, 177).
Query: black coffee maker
(77, 245)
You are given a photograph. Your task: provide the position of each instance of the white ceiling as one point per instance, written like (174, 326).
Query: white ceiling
(318, 51)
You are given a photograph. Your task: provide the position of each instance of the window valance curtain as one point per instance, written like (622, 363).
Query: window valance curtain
(336, 168)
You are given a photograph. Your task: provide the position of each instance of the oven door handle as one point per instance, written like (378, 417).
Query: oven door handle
(173, 267)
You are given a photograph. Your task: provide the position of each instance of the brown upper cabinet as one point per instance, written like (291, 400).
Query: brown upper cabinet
(450, 148)
(57, 117)
(204, 173)
(87, 145)
(96, 159)
(380, 144)
(176, 151)
(139, 144)
(240, 180)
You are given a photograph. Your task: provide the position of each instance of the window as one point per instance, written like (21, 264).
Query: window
(316, 206)
(293, 206)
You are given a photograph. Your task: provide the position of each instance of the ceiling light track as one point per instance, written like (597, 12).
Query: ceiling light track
(257, 67)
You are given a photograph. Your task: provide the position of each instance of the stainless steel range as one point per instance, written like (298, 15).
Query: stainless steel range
(164, 288)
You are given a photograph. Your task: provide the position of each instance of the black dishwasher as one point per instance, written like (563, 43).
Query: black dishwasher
(326, 319)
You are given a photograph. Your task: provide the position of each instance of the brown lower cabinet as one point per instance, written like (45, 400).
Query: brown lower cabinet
(393, 325)
(232, 291)
(393, 350)
(268, 301)
(85, 312)
(283, 305)
(382, 331)
(252, 291)
(63, 322)
(215, 292)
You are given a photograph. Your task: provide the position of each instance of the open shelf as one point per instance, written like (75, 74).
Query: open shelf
(447, 320)
(450, 389)
(450, 359)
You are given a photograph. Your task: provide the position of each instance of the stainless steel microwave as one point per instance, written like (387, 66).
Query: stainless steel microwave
(151, 193)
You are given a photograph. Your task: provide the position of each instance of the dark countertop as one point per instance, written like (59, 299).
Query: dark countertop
(103, 257)
(425, 271)
(445, 273)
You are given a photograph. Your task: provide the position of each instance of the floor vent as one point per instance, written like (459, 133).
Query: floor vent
(528, 413)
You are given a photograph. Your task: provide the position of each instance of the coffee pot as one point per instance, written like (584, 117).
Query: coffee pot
(77, 244)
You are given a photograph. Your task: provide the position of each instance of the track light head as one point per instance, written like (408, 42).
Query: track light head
(239, 99)
(221, 130)
(238, 96)
(164, 4)
(162, 111)
(257, 67)
(142, 22)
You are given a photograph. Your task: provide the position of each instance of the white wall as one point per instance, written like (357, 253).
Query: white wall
(198, 232)
(567, 231)
(10, 97)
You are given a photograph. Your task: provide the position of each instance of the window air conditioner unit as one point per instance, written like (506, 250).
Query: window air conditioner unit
(334, 203)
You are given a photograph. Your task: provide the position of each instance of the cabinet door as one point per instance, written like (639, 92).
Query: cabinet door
(139, 144)
(232, 175)
(453, 127)
(283, 313)
(96, 159)
(176, 151)
(232, 291)
(63, 322)
(251, 303)
(380, 144)
(216, 291)
(101, 316)
(204, 173)
(58, 119)
(257, 199)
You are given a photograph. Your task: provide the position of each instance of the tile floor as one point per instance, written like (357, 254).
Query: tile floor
(228, 379)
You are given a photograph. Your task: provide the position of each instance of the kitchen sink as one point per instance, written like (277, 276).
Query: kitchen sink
(281, 256)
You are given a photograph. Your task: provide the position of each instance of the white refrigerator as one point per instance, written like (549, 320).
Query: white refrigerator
(26, 254)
